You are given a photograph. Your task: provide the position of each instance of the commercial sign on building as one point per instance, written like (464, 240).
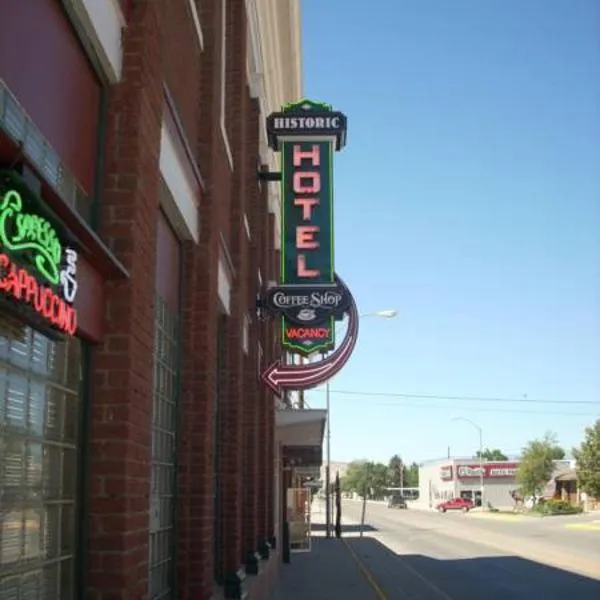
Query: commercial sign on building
(490, 470)
(446, 473)
(38, 266)
(309, 298)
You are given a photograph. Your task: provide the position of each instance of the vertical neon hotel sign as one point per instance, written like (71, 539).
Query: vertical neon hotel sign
(307, 133)
(38, 271)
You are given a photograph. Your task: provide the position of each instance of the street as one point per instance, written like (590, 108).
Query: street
(431, 556)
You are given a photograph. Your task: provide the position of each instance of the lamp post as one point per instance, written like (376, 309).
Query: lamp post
(382, 314)
(480, 430)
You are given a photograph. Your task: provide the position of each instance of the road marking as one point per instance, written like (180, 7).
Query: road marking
(496, 516)
(402, 562)
(584, 526)
(368, 575)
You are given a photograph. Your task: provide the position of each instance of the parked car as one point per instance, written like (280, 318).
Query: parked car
(463, 504)
(397, 501)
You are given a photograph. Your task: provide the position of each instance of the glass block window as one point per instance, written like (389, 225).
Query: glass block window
(39, 422)
(164, 448)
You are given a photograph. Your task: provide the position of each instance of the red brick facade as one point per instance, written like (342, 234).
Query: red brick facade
(166, 71)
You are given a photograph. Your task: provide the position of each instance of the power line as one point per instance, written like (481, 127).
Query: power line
(497, 410)
(460, 398)
(490, 410)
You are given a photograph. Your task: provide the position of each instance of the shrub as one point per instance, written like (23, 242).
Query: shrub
(557, 507)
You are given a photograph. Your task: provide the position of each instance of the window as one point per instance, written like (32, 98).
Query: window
(39, 471)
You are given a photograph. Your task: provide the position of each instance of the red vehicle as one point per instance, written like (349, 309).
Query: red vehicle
(463, 504)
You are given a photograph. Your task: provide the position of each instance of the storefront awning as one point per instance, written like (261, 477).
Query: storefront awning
(301, 435)
(303, 427)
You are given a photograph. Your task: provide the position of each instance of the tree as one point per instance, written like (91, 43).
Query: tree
(365, 478)
(588, 461)
(410, 474)
(395, 468)
(535, 467)
(491, 455)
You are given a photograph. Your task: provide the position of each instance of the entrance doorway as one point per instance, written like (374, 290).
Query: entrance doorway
(473, 495)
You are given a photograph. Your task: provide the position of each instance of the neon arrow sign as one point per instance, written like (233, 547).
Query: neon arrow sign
(280, 377)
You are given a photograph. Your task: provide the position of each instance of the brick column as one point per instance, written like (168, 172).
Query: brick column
(259, 212)
(119, 463)
(233, 439)
(197, 432)
(274, 353)
(200, 314)
(252, 381)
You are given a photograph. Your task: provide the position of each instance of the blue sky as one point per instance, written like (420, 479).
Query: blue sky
(467, 198)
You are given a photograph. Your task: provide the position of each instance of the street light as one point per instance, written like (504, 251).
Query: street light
(389, 313)
(480, 430)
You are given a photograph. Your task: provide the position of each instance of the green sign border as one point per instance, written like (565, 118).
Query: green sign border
(330, 341)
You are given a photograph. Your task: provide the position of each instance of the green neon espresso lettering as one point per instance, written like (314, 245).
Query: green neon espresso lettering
(22, 232)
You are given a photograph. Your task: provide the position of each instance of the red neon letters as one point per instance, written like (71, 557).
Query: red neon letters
(302, 333)
(306, 186)
(20, 285)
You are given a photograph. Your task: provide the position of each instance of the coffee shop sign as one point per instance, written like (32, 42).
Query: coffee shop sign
(314, 300)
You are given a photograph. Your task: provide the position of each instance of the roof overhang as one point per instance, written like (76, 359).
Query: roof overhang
(569, 475)
(304, 427)
(301, 435)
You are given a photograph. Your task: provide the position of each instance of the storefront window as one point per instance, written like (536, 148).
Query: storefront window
(39, 423)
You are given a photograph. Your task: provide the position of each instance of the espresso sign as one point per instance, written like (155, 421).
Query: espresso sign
(38, 264)
(308, 306)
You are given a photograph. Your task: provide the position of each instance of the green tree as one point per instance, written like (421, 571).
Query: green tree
(366, 478)
(535, 467)
(395, 467)
(489, 454)
(410, 473)
(588, 461)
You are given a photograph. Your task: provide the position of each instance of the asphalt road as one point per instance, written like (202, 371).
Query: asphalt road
(417, 555)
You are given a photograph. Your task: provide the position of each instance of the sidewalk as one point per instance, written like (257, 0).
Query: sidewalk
(328, 572)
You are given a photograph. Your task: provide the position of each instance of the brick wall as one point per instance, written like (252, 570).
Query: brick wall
(252, 384)
(181, 62)
(232, 442)
(201, 307)
(123, 364)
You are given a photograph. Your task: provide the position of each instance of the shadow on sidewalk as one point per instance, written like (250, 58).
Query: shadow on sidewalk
(327, 572)
(485, 577)
(318, 527)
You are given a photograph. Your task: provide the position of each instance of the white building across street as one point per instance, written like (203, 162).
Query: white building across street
(448, 478)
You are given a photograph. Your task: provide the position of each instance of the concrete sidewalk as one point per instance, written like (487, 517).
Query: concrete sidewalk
(329, 572)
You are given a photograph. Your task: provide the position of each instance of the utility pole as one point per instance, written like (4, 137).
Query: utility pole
(480, 462)
(401, 478)
(338, 504)
(480, 430)
(328, 465)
